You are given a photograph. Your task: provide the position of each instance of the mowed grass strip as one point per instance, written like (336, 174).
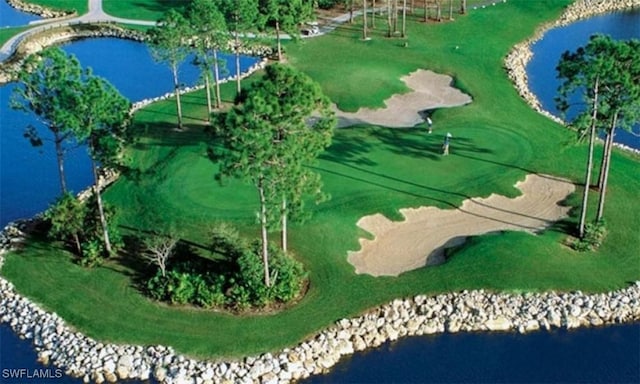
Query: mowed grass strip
(80, 6)
(497, 140)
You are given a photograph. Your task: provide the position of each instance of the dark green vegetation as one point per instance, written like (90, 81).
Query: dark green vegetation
(606, 74)
(230, 278)
(497, 140)
(76, 107)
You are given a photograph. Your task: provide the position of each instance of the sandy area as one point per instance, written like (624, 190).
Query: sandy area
(429, 90)
(426, 232)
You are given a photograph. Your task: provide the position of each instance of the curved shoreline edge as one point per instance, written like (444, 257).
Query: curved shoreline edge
(517, 59)
(466, 311)
(38, 10)
(477, 310)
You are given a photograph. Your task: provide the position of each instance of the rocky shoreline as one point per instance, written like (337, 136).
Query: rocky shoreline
(517, 60)
(468, 311)
(39, 10)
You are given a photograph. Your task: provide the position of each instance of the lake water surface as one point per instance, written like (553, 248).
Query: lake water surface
(29, 175)
(10, 17)
(547, 52)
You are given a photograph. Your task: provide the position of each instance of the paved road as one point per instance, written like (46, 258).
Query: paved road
(95, 15)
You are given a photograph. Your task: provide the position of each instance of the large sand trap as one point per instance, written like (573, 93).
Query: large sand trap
(429, 90)
(421, 238)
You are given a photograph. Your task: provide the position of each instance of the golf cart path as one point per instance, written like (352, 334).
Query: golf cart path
(426, 232)
(95, 15)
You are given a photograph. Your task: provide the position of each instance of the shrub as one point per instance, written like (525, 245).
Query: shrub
(594, 234)
(180, 287)
(287, 277)
(326, 4)
(290, 277)
(157, 286)
(92, 252)
(226, 241)
(208, 293)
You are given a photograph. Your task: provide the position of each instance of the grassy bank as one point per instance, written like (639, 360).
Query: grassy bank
(497, 140)
(80, 6)
(7, 33)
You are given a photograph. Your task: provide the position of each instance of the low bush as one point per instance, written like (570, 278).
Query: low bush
(237, 282)
(594, 234)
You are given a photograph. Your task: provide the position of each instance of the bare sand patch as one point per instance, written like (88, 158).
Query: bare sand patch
(426, 232)
(430, 90)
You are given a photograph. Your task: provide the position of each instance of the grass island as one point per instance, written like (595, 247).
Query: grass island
(498, 139)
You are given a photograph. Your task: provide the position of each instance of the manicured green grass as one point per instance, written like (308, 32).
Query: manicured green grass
(497, 140)
(141, 9)
(80, 6)
(7, 33)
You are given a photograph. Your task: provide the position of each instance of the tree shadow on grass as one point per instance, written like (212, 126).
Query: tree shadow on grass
(153, 111)
(161, 5)
(349, 149)
(139, 270)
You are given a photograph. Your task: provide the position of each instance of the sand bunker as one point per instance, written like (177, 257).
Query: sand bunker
(426, 232)
(430, 90)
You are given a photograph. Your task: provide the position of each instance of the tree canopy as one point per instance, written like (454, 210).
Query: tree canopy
(48, 86)
(280, 125)
(605, 76)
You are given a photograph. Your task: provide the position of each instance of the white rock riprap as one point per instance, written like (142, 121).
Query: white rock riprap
(517, 60)
(143, 103)
(39, 10)
(78, 355)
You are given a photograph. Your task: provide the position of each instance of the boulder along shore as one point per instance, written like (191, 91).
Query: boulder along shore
(39, 10)
(517, 60)
(467, 311)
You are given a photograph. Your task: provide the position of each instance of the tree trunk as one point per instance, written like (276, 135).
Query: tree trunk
(604, 159)
(605, 168)
(351, 11)
(587, 178)
(439, 10)
(389, 18)
(364, 23)
(207, 86)
(176, 87)
(60, 158)
(395, 16)
(216, 74)
(278, 41)
(284, 224)
(463, 7)
(238, 86)
(76, 239)
(103, 219)
(450, 9)
(426, 11)
(373, 14)
(263, 232)
(404, 18)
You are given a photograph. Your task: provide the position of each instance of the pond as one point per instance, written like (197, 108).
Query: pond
(10, 17)
(547, 52)
(28, 175)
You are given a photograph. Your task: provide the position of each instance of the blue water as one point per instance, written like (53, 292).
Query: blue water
(28, 175)
(547, 52)
(597, 355)
(10, 17)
